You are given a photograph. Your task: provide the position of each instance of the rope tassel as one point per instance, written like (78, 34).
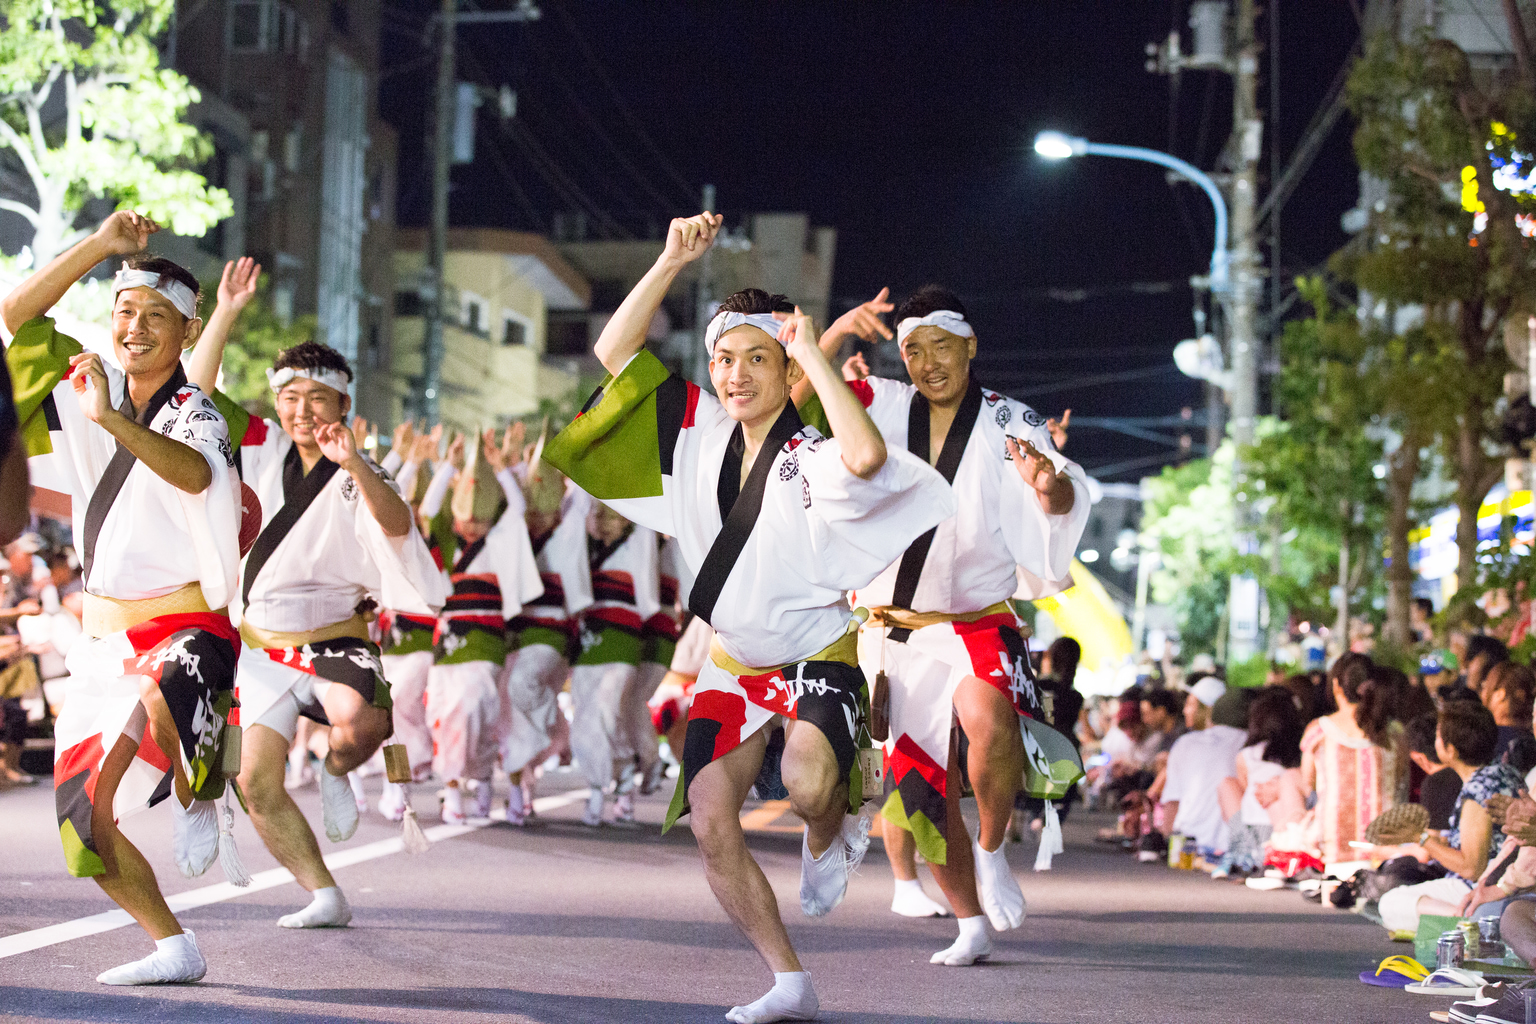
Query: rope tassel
(229, 856)
(412, 838)
(1050, 839)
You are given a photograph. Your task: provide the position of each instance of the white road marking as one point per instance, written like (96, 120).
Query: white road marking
(52, 935)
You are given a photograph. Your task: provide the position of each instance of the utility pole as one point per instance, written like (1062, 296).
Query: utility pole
(433, 290)
(1247, 271)
(437, 240)
(705, 297)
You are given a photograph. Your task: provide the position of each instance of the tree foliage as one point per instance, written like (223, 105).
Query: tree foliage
(87, 111)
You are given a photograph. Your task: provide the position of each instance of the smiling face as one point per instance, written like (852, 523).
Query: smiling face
(303, 404)
(938, 362)
(148, 333)
(752, 374)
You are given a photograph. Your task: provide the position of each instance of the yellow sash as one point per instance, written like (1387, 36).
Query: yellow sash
(263, 639)
(103, 616)
(906, 618)
(844, 649)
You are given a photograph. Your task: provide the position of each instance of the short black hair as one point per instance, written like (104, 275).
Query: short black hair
(1482, 643)
(1066, 654)
(311, 355)
(1171, 702)
(928, 299)
(168, 270)
(1425, 604)
(1420, 734)
(1468, 727)
(755, 300)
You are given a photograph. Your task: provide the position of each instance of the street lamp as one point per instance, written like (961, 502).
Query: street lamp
(1060, 146)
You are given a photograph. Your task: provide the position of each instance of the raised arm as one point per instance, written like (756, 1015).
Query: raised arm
(862, 321)
(236, 289)
(687, 239)
(337, 444)
(121, 234)
(863, 449)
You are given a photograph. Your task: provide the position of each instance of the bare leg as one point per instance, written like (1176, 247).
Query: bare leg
(817, 793)
(716, 796)
(900, 850)
(277, 818)
(957, 875)
(358, 729)
(129, 880)
(162, 729)
(1230, 794)
(996, 757)
(1518, 928)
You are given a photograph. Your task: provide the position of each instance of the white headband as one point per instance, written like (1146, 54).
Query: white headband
(725, 321)
(179, 295)
(943, 319)
(334, 379)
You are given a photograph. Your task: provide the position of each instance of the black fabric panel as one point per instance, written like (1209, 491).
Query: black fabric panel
(467, 555)
(300, 490)
(51, 413)
(910, 572)
(116, 475)
(744, 510)
(671, 408)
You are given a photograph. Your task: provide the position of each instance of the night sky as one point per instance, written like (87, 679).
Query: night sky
(909, 128)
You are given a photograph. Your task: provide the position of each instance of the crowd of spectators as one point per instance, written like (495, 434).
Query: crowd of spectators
(40, 607)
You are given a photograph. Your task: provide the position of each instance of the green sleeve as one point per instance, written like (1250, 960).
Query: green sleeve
(238, 419)
(813, 415)
(442, 534)
(38, 358)
(613, 448)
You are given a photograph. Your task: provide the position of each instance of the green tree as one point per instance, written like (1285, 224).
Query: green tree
(1427, 127)
(120, 134)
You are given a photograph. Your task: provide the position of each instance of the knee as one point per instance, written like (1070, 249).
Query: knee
(366, 731)
(813, 785)
(717, 833)
(262, 787)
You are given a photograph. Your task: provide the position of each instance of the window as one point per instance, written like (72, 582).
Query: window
(408, 303)
(266, 26)
(513, 331)
(474, 318)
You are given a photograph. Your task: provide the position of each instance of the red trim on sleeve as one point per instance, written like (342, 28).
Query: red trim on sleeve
(863, 391)
(255, 432)
(693, 405)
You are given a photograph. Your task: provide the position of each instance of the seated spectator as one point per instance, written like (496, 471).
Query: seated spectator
(1268, 763)
(1483, 653)
(1419, 614)
(1509, 693)
(1198, 763)
(1464, 742)
(1163, 711)
(1304, 691)
(1353, 759)
(1441, 785)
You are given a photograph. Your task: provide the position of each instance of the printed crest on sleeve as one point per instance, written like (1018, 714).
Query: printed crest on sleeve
(349, 488)
(226, 451)
(1033, 418)
(992, 397)
(1004, 414)
(789, 469)
(805, 492)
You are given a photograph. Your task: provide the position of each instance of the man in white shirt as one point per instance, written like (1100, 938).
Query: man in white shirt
(1197, 763)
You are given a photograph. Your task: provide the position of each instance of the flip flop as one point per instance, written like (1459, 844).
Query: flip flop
(1396, 972)
(1449, 981)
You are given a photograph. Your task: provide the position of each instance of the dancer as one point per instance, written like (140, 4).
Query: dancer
(146, 460)
(333, 531)
(637, 727)
(546, 631)
(777, 522)
(950, 647)
(493, 573)
(625, 592)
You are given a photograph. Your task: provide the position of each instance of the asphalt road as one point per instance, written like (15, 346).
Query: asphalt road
(560, 923)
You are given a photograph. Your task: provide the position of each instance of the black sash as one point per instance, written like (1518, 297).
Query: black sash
(598, 552)
(300, 490)
(738, 511)
(467, 555)
(116, 474)
(911, 568)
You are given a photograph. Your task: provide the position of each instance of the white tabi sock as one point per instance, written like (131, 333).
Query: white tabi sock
(392, 801)
(327, 910)
(791, 998)
(338, 806)
(515, 814)
(175, 959)
(1001, 897)
(355, 780)
(483, 794)
(824, 879)
(972, 946)
(194, 835)
(910, 900)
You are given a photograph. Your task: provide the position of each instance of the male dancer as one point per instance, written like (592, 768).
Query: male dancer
(951, 648)
(546, 631)
(778, 523)
(146, 460)
(638, 729)
(625, 596)
(491, 566)
(333, 531)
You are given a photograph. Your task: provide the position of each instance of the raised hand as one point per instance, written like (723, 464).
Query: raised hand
(855, 368)
(436, 437)
(456, 451)
(360, 431)
(90, 383)
(688, 238)
(423, 448)
(798, 335)
(864, 319)
(512, 443)
(403, 440)
(125, 233)
(493, 453)
(336, 443)
(238, 285)
(1034, 468)
(1058, 428)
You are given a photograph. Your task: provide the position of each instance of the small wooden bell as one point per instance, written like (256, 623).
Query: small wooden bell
(397, 764)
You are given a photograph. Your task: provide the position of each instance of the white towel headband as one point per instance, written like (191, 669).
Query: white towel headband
(334, 379)
(944, 319)
(725, 321)
(179, 295)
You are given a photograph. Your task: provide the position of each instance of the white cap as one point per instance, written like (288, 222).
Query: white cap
(1208, 690)
(1202, 663)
